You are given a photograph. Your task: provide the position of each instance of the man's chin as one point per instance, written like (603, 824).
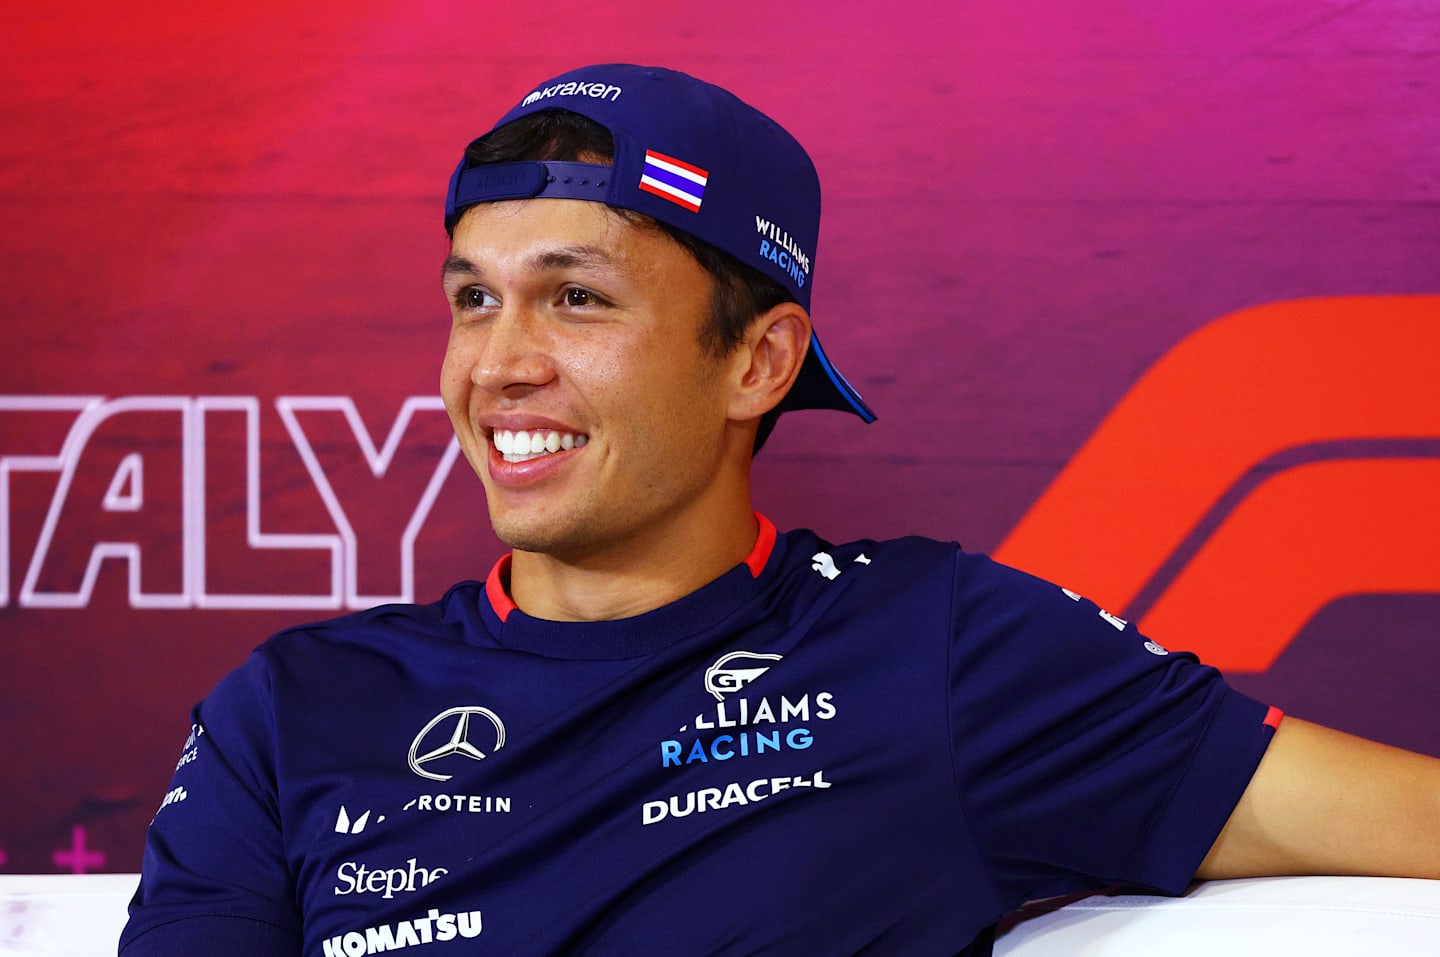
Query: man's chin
(523, 534)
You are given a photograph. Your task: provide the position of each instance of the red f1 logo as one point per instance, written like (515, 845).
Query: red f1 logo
(1226, 399)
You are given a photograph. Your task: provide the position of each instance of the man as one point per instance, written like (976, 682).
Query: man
(662, 727)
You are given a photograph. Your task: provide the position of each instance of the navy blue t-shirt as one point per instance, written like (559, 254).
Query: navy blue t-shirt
(872, 748)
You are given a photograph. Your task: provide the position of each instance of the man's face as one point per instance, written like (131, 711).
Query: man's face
(574, 374)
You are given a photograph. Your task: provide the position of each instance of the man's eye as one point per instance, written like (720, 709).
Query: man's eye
(576, 296)
(473, 297)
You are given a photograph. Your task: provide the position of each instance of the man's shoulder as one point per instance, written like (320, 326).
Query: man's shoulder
(868, 573)
(907, 548)
(908, 555)
(918, 568)
(390, 626)
(309, 662)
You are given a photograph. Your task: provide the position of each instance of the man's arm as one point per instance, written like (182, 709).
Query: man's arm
(214, 879)
(1323, 802)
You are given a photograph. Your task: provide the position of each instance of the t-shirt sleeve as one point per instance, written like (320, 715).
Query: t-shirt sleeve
(1086, 754)
(214, 878)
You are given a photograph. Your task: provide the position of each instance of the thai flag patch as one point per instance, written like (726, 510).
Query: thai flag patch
(673, 179)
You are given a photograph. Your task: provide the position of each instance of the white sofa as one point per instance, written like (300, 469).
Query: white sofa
(1260, 917)
(81, 916)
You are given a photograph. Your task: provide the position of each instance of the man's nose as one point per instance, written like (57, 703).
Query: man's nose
(513, 357)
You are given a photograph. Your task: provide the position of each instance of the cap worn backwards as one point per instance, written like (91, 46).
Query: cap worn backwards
(692, 156)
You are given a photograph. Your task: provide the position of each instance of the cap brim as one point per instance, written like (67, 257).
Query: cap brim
(821, 386)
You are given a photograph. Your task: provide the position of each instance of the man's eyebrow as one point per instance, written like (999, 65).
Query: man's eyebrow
(562, 258)
(569, 256)
(457, 265)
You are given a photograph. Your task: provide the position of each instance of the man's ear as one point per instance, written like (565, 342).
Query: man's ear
(769, 359)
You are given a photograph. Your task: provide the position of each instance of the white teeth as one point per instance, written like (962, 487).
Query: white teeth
(523, 445)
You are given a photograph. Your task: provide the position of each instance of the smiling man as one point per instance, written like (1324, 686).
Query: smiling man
(661, 726)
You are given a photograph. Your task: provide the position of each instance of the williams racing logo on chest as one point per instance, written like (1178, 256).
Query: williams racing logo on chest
(768, 734)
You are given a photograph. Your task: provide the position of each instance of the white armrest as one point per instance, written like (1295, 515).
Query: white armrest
(1259, 917)
(75, 915)
(81, 916)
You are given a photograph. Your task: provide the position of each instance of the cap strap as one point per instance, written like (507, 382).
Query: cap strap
(549, 179)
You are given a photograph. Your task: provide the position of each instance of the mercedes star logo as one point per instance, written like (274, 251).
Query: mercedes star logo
(457, 743)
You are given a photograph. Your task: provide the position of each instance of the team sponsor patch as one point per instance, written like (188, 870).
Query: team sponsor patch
(353, 877)
(173, 796)
(434, 927)
(732, 795)
(675, 180)
(736, 670)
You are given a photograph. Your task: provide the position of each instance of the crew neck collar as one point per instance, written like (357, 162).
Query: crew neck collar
(627, 637)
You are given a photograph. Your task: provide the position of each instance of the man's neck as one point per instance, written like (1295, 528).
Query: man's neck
(646, 571)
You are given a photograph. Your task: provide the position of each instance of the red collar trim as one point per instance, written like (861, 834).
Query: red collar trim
(764, 545)
(495, 588)
(500, 573)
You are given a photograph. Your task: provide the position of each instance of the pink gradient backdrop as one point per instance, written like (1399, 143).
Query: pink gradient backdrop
(1027, 204)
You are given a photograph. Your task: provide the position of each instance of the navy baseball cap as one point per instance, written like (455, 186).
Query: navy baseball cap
(692, 156)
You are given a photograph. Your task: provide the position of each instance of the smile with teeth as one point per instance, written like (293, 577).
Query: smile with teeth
(522, 446)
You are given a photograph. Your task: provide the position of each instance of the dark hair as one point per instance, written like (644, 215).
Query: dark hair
(739, 293)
